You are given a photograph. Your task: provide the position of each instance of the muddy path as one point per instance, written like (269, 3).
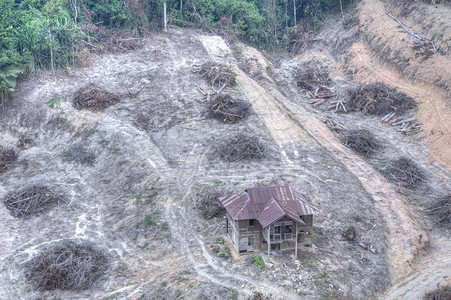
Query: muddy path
(403, 231)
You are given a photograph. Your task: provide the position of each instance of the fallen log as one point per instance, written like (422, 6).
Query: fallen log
(415, 35)
(388, 117)
(404, 121)
(363, 246)
(396, 120)
(318, 103)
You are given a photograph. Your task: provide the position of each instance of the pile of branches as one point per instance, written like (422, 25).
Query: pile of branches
(240, 147)
(229, 110)
(441, 293)
(218, 75)
(104, 40)
(67, 265)
(94, 98)
(80, 154)
(313, 78)
(361, 141)
(7, 159)
(440, 211)
(207, 202)
(378, 99)
(31, 200)
(404, 172)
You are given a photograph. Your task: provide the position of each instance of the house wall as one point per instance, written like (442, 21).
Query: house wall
(233, 232)
(248, 238)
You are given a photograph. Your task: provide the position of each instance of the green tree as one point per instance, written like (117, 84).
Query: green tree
(10, 70)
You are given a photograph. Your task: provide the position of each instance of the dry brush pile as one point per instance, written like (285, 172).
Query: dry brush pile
(441, 293)
(313, 78)
(7, 159)
(239, 147)
(207, 201)
(404, 172)
(31, 200)
(67, 265)
(440, 211)
(361, 141)
(94, 98)
(218, 75)
(227, 109)
(378, 99)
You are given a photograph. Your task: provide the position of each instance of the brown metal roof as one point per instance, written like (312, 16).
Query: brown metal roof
(268, 204)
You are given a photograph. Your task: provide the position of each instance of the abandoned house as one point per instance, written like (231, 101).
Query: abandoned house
(268, 218)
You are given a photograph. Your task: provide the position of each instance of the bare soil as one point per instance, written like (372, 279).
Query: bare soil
(138, 198)
(385, 55)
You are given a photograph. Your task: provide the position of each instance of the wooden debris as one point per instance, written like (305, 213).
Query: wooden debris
(407, 125)
(218, 75)
(239, 147)
(319, 102)
(228, 109)
(363, 246)
(419, 37)
(334, 126)
(31, 200)
(387, 117)
(202, 91)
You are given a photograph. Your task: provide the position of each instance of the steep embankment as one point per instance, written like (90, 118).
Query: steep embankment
(390, 55)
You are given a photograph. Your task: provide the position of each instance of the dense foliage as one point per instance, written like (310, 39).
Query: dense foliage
(48, 34)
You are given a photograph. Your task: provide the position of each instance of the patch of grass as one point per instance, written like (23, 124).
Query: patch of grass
(164, 226)
(234, 295)
(54, 102)
(313, 234)
(85, 133)
(310, 260)
(150, 197)
(258, 260)
(25, 163)
(149, 222)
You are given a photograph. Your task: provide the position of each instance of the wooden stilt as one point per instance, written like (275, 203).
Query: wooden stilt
(227, 225)
(296, 242)
(269, 241)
